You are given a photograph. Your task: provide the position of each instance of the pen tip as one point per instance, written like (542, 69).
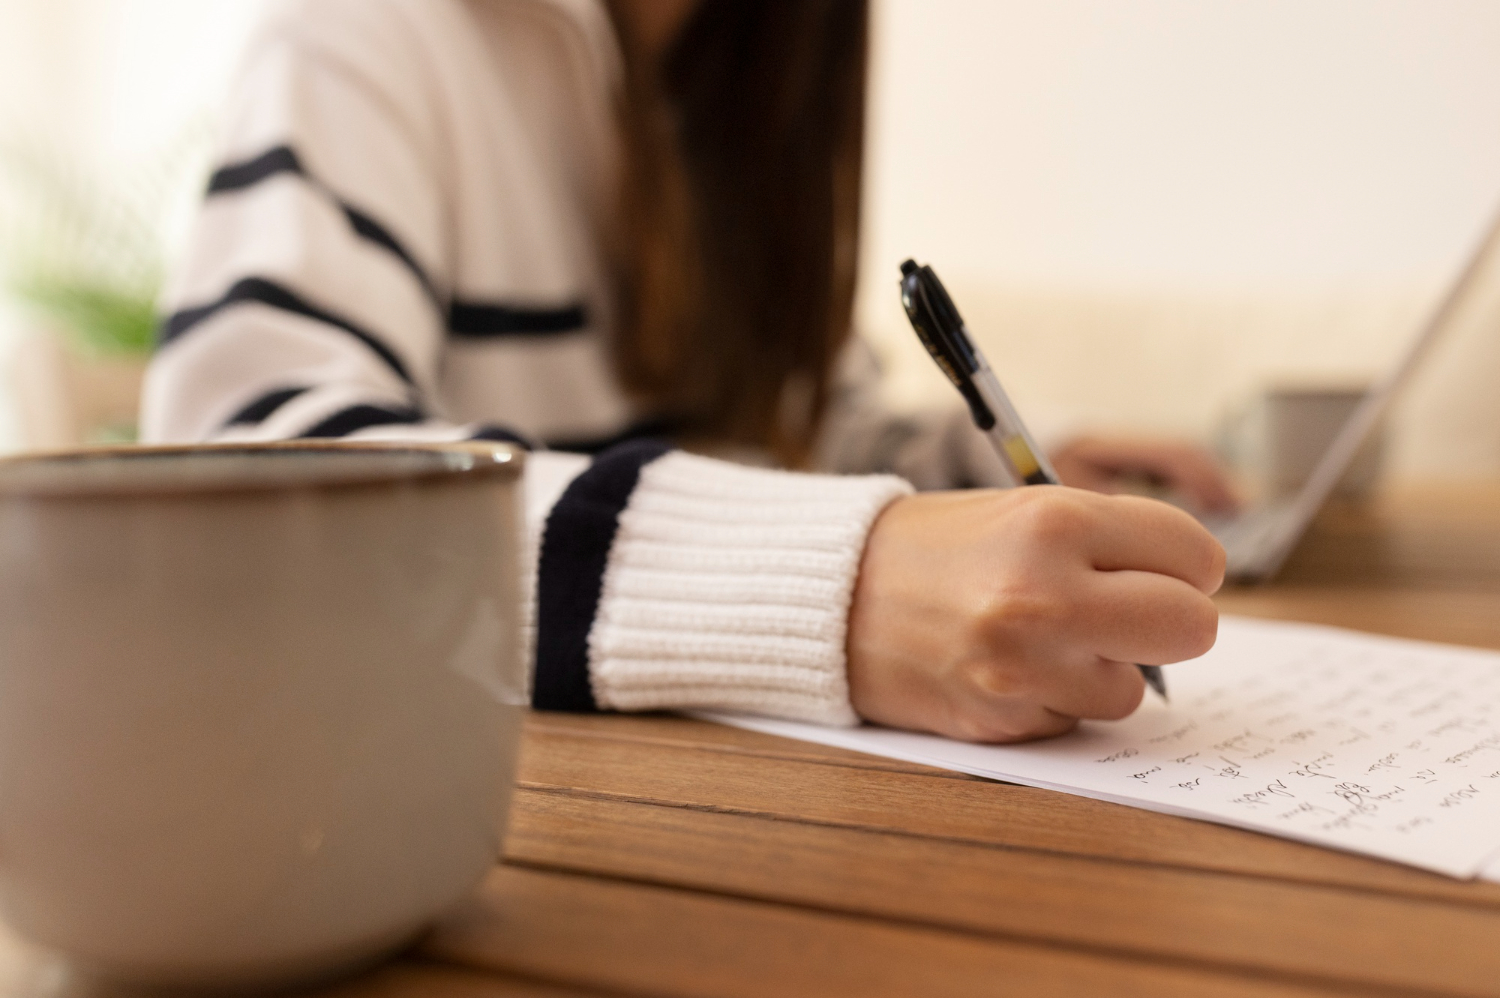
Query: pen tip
(908, 267)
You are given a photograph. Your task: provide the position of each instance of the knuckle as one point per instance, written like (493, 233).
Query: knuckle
(992, 678)
(1010, 618)
(1002, 729)
(1055, 726)
(1053, 517)
(982, 730)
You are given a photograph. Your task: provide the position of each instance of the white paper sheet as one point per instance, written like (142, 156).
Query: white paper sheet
(1370, 744)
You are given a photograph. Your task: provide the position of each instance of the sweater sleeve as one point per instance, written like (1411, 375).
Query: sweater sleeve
(668, 580)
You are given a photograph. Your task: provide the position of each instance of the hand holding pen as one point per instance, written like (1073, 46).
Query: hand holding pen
(1001, 615)
(941, 329)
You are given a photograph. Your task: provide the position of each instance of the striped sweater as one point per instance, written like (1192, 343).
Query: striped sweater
(403, 241)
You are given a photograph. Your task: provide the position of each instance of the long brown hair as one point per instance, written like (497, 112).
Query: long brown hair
(740, 214)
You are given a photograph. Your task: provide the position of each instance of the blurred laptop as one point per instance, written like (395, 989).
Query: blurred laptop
(1259, 539)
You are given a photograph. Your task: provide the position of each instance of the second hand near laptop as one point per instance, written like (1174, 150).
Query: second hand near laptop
(941, 329)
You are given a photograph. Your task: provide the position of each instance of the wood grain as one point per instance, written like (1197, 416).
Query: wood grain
(1229, 921)
(1437, 536)
(978, 812)
(1418, 562)
(639, 938)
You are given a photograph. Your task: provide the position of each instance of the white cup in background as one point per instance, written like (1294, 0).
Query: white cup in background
(259, 705)
(1278, 438)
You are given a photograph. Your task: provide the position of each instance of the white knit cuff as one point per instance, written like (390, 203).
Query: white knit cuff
(728, 588)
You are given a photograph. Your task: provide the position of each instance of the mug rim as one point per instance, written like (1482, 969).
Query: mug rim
(157, 469)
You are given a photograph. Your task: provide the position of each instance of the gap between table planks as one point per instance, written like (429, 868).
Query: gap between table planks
(649, 939)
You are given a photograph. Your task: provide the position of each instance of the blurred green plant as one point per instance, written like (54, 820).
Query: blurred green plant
(86, 254)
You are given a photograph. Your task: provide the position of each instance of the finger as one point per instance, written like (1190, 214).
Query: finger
(1185, 468)
(1147, 618)
(1132, 533)
(1197, 476)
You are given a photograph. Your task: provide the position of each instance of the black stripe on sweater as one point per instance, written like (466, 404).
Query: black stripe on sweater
(361, 417)
(473, 320)
(369, 229)
(358, 417)
(238, 176)
(284, 159)
(570, 573)
(258, 289)
(465, 319)
(261, 408)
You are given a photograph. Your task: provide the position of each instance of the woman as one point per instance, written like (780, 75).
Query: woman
(602, 228)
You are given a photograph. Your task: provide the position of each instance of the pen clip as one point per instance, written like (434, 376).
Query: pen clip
(941, 330)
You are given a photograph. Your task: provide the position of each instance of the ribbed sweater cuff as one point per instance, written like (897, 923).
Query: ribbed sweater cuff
(728, 587)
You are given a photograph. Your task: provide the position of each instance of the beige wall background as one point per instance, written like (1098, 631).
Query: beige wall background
(1146, 209)
(115, 79)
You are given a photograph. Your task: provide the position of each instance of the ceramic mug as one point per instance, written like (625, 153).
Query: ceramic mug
(259, 704)
(1279, 438)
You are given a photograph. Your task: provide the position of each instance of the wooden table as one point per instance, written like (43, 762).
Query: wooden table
(663, 856)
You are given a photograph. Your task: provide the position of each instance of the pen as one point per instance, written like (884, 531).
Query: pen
(942, 331)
